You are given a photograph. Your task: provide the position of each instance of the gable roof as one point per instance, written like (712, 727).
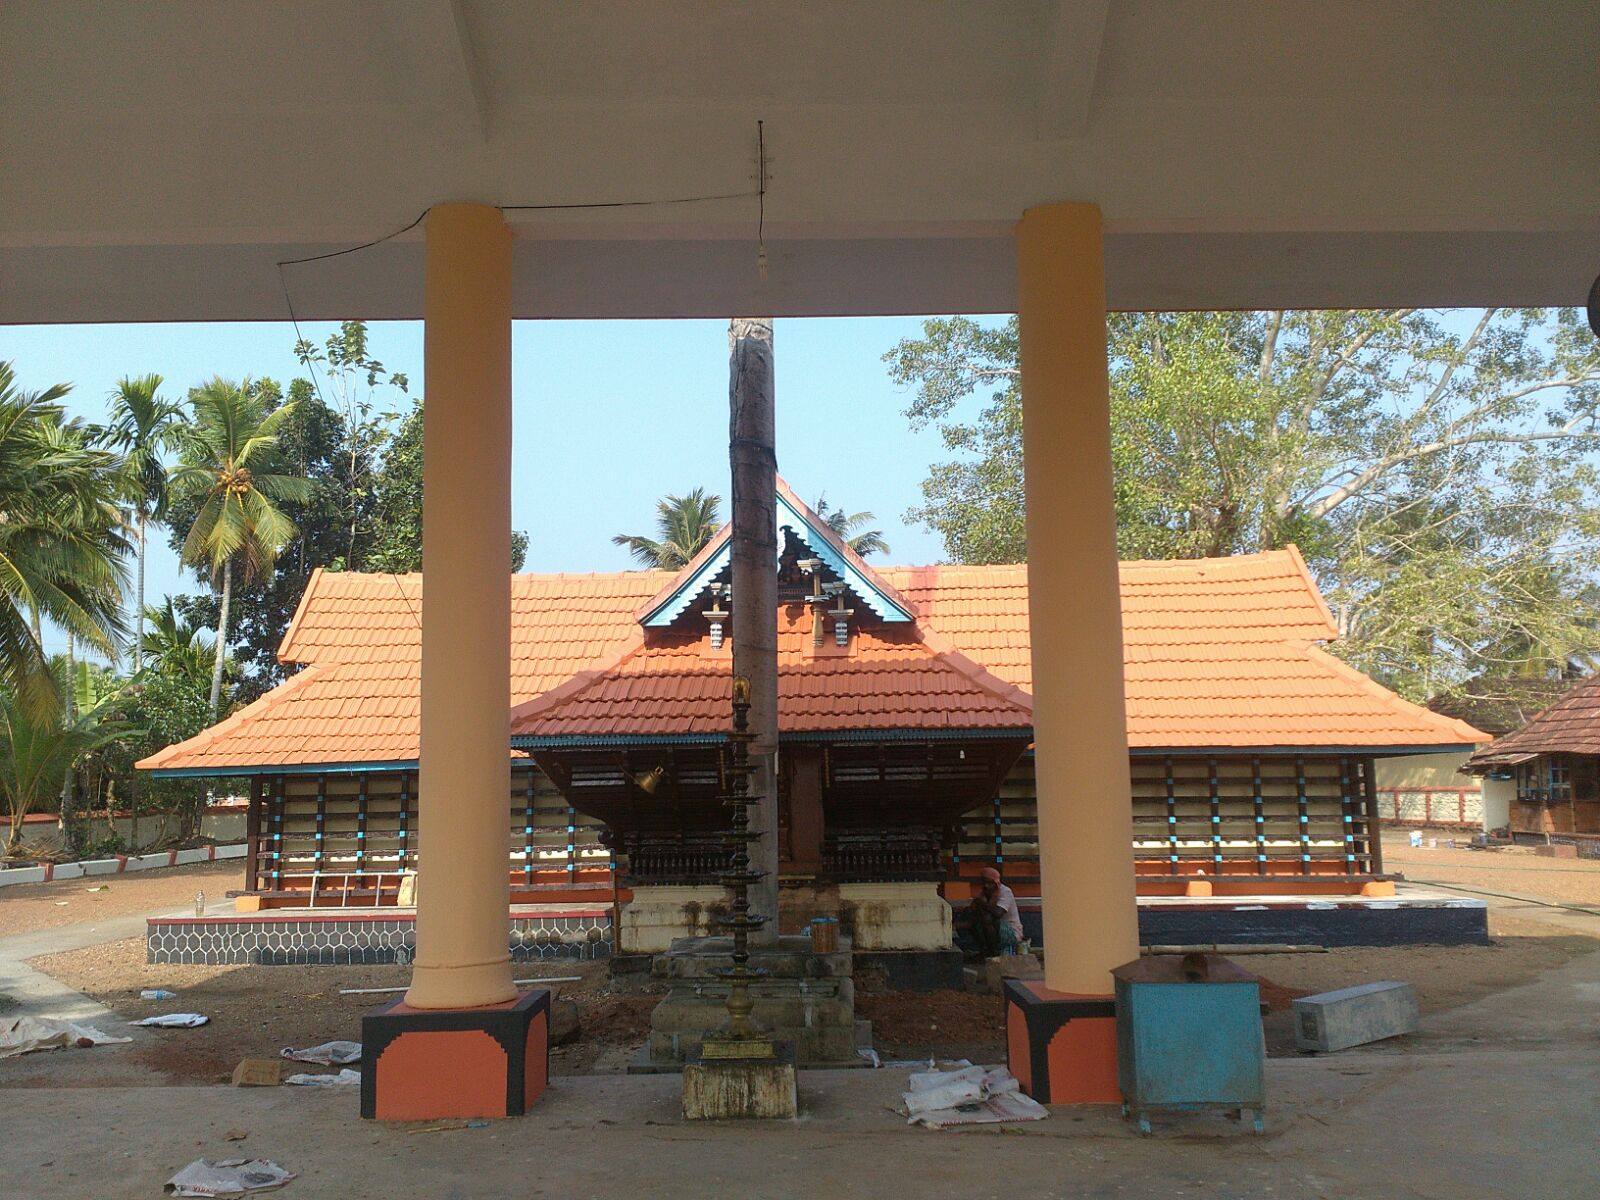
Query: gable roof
(676, 688)
(1569, 726)
(1218, 653)
(662, 609)
(1500, 704)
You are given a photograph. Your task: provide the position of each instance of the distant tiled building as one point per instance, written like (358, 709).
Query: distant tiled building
(1551, 766)
(905, 718)
(1436, 790)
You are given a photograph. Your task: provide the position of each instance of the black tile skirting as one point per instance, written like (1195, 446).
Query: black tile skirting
(341, 941)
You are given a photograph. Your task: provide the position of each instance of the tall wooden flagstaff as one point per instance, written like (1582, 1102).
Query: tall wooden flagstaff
(753, 460)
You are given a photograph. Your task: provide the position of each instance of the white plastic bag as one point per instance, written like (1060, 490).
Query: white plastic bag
(173, 1021)
(227, 1177)
(344, 1078)
(329, 1054)
(20, 1035)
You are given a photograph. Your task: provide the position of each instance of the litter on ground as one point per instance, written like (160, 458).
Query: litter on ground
(227, 1177)
(344, 1078)
(173, 1021)
(328, 1054)
(157, 994)
(967, 1095)
(20, 1035)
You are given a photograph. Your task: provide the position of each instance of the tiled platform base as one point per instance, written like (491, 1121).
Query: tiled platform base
(333, 939)
(429, 1064)
(1414, 916)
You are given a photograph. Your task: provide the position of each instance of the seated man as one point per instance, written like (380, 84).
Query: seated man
(990, 925)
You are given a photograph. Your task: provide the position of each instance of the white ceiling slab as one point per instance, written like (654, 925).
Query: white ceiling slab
(159, 159)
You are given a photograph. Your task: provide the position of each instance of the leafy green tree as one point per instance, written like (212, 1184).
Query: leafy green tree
(1441, 483)
(684, 524)
(397, 508)
(60, 549)
(849, 527)
(143, 425)
(38, 751)
(356, 382)
(159, 709)
(229, 460)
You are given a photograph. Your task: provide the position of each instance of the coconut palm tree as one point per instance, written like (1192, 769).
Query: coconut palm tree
(60, 542)
(142, 427)
(684, 524)
(227, 458)
(848, 527)
(177, 647)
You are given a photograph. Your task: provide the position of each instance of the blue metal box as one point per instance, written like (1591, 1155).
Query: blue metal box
(1187, 1043)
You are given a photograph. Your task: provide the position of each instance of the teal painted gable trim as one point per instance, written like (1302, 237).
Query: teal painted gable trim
(871, 595)
(670, 609)
(791, 518)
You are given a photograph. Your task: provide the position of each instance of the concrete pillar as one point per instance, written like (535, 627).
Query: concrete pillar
(1074, 604)
(463, 888)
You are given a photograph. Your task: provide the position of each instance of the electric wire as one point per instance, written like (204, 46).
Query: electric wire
(759, 194)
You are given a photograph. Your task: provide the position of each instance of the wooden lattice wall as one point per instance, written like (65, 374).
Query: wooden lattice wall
(355, 833)
(1193, 816)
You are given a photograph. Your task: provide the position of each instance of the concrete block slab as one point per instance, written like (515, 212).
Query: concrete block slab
(21, 875)
(99, 866)
(191, 856)
(1354, 1016)
(739, 1090)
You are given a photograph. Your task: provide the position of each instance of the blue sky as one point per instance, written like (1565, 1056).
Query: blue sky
(610, 415)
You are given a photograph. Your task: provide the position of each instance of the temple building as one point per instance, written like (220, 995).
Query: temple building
(906, 724)
(1549, 770)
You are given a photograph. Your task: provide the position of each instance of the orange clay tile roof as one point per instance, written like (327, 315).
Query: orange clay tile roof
(1219, 653)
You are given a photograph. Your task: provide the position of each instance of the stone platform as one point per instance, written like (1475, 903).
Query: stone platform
(807, 999)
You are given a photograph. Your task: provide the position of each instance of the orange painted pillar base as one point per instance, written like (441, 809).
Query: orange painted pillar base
(424, 1064)
(1062, 1047)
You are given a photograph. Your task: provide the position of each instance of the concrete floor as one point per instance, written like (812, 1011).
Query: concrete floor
(1484, 1124)
(1496, 1099)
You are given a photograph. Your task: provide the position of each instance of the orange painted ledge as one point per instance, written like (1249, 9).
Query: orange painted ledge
(432, 1064)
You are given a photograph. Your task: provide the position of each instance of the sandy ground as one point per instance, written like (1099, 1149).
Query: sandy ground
(1514, 871)
(30, 906)
(256, 1011)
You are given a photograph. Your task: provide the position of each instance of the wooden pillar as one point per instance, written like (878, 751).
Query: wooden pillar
(805, 809)
(463, 884)
(1074, 603)
(754, 573)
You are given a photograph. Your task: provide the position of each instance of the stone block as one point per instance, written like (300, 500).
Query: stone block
(1010, 966)
(659, 915)
(740, 1090)
(1556, 850)
(1354, 1016)
(895, 916)
(700, 959)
